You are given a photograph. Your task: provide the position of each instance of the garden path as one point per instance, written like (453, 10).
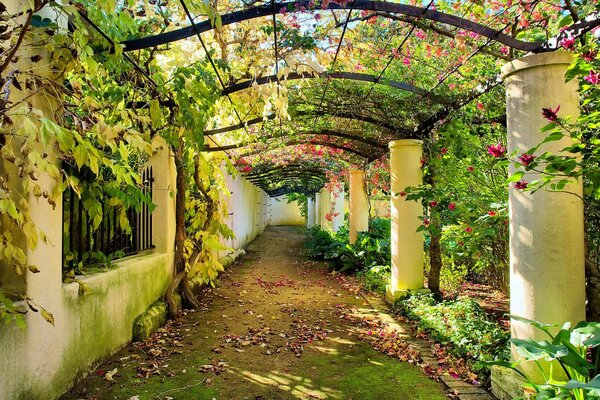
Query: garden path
(277, 327)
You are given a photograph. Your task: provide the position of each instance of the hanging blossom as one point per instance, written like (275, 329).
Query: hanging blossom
(593, 78)
(568, 43)
(590, 55)
(550, 114)
(496, 150)
(521, 185)
(526, 159)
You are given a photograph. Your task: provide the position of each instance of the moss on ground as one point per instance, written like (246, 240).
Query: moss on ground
(271, 298)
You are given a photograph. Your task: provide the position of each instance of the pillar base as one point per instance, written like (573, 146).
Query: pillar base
(393, 295)
(508, 385)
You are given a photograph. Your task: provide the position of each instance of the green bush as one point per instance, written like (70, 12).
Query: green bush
(462, 326)
(376, 278)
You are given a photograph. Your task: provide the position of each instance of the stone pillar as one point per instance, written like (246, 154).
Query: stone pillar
(547, 277)
(338, 208)
(163, 196)
(325, 208)
(310, 214)
(407, 243)
(359, 204)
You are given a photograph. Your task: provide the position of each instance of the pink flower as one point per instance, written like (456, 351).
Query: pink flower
(406, 61)
(550, 114)
(496, 151)
(593, 78)
(420, 34)
(526, 159)
(520, 185)
(568, 43)
(480, 106)
(589, 56)
(317, 17)
(468, 229)
(283, 10)
(433, 203)
(451, 206)
(470, 168)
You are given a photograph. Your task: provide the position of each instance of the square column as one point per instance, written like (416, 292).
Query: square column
(359, 204)
(407, 243)
(547, 274)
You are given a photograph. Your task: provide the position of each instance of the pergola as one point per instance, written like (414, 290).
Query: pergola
(363, 115)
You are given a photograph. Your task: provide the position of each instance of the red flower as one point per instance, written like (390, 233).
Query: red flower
(468, 229)
(402, 194)
(470, 168)
(491, 213)
(422, 162)
(480, 106)
(444, 150)
(568, 43)
(589, 56)
(520, 185)
(433, 203)
(550, 114)
(451, 206)
(496, 151)
(593, 78)
(426, 221)
(526, 159)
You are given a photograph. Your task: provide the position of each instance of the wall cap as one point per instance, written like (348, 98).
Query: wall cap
(535, 60)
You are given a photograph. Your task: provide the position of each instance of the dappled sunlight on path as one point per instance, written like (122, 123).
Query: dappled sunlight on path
(278, 326)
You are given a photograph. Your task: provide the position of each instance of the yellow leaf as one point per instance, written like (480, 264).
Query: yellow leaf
(47, 316)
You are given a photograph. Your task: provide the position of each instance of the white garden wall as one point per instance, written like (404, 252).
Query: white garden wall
(284, 213)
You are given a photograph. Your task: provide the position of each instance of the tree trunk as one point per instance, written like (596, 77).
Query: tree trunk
(435, 258)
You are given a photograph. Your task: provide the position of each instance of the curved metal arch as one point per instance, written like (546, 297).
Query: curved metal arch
(327, 132)
(302, 113)
(354, 76)
(369, 5)
(326, 144)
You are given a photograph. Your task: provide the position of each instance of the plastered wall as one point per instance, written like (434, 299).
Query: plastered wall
(284, 213)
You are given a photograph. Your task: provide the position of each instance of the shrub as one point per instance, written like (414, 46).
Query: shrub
(462, 326)
(376, 278)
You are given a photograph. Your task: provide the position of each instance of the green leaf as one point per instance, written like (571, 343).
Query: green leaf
(532, 350)
(47, 316)
(573, 384)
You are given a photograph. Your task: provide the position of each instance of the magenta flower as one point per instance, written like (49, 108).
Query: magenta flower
(283, 10)
(496, 151)
(593, 78)
(317, 16)
(451, 206)
(526, 159)
(568, 43)
(521, 185)
(550, 114)
(589, 56)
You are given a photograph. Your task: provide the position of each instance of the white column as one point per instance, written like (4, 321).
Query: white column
(359, 204)
(407, 243)
(325, 208)
(310, 214)
(338, 208)
(547, 274)
(317, 220)
(165, 176)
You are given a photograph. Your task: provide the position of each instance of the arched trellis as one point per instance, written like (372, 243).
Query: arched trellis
(302, 113)
(377, 6)
(359, 153)
(327, 132)
(355, 76)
